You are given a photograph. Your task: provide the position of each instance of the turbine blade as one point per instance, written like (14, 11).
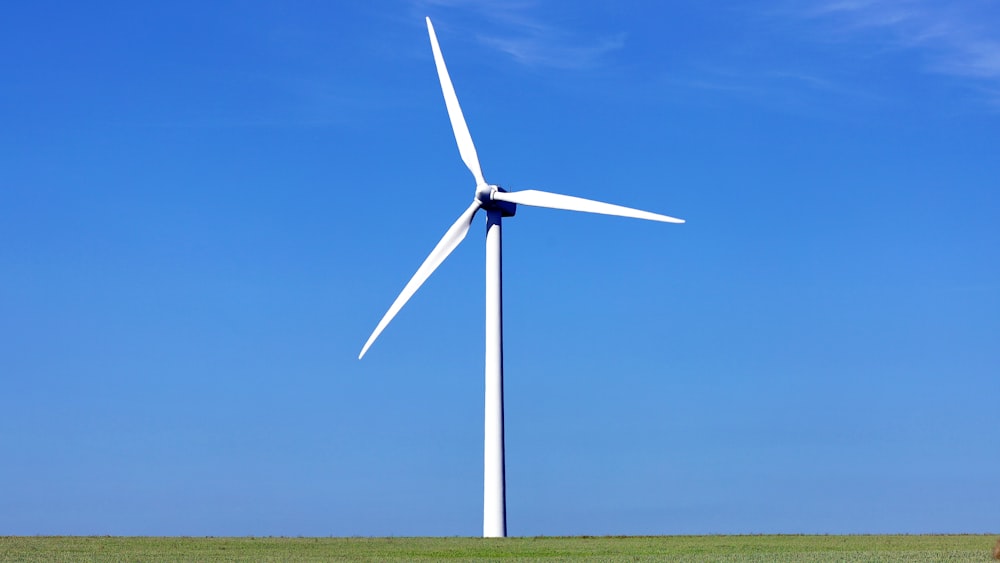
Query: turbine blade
(444, 247)
(537, 198)
(462, 135)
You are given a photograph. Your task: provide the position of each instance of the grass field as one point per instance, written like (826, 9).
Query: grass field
(655, 548)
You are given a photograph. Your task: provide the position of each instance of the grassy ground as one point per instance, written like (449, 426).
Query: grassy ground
(656, 548)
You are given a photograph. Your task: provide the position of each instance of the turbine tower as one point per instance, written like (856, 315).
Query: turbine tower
(497, 203)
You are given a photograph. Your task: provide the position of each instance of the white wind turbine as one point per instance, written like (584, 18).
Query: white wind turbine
(497, 203)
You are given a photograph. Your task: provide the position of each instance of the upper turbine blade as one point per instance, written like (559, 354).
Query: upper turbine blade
(462, 135)
(556, 201)
(444, 247)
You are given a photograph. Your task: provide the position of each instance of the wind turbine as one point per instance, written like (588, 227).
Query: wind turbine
(497, 203)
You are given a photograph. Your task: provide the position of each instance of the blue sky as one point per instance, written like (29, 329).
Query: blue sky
(205, 209)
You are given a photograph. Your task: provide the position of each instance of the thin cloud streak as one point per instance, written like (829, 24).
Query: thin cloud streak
(514, 29)
(955, 43)
(536, 50)
(787, 91)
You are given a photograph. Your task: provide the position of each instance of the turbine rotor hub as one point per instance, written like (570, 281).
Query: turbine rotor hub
(484, 193)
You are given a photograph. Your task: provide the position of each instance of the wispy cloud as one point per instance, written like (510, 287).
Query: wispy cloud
(538, 49)
(517, 29)
(787, 91)
(960, 39)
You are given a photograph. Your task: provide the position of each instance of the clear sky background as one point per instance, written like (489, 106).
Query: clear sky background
(206, 208)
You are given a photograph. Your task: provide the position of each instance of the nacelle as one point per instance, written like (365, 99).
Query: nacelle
(506, 208)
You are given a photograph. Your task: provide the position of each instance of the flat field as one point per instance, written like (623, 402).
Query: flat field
(652, 548)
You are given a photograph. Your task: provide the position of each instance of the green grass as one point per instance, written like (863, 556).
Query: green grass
(654, 548)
